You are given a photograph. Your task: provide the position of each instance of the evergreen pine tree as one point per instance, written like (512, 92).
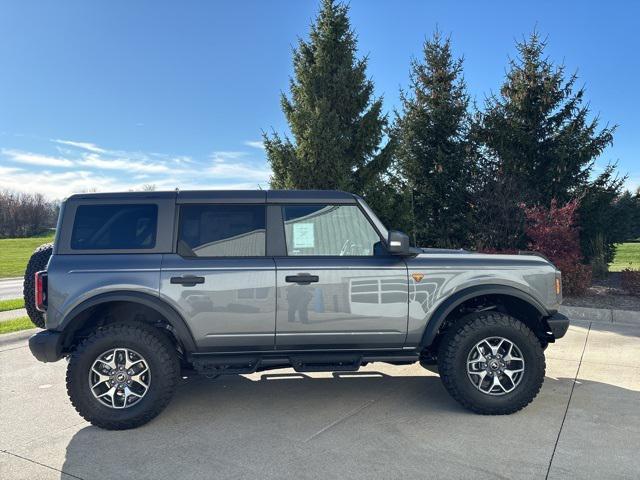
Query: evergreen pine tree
(336, 124)
(602, 223)
(539, 131)
(538, 143)
(432, 149)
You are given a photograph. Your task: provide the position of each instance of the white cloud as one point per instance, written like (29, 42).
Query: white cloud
(92, 147)
(125, 164)
(57, 185)
(84, 166)
(255, 144)
(9, 170)
(35, 158)
(182, 160)
(227, 155)
(223, 170)
(227, 165)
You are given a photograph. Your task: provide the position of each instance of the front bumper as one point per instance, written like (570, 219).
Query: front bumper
(558, 324)
(46, 346)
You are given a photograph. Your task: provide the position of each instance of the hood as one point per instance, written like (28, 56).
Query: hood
(444, 255)
(442, 250)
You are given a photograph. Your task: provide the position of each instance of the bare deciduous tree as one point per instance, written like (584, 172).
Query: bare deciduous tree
(25, 214)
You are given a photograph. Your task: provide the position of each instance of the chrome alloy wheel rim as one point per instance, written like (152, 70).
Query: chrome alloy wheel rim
(495, 366)
(119, 378)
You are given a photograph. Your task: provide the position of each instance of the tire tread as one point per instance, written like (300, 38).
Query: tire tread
(166, 357)
(466, 326)
(38, 261)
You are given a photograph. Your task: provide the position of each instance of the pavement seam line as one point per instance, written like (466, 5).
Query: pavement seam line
(12, 348)
(341, 419)
(353, 412)
(566, 411)
(41, 464)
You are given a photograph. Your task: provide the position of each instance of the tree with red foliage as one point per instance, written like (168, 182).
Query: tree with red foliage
(554, 232)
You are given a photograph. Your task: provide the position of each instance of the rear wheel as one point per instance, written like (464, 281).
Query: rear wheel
(122, 376)
(491, 363)
(37, 262)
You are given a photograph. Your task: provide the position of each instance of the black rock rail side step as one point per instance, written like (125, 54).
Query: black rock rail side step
(227, 365)
(326, 363)
(233, 364)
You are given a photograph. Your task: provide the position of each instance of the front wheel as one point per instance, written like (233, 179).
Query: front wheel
(491, 363)
(122, 375)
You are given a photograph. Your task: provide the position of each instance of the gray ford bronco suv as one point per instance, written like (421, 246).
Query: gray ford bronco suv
(142, 285)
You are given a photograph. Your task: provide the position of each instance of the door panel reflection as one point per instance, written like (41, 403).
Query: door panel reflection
(347, 306)
(234, 307)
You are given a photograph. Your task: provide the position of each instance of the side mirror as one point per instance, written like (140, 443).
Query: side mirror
(398, 243)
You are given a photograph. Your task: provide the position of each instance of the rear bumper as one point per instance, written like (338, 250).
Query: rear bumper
(46, 346)
(558, 324)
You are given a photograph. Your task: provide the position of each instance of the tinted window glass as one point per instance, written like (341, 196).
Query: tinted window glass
(222, 231)
(328, 230)
(110, 227)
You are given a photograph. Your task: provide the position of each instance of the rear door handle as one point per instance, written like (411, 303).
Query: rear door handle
(302, 279)
(187, 280)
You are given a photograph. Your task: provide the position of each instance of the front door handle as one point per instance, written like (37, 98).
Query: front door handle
(301, 279)
(187, 280)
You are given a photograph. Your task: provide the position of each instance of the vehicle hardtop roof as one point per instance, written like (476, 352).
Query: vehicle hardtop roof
(229, 196)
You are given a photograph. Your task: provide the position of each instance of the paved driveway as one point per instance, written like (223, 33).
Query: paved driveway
(383, 422)
(10, 288)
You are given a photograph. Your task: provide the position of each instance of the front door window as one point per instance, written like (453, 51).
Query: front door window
(328, 230)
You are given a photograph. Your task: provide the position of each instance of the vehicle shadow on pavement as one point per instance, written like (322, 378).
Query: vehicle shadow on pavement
(361, 425)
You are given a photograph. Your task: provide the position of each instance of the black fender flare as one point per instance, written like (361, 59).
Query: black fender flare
(455, 300)
(182, 330)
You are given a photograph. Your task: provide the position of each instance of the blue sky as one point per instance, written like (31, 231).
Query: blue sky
(112, 95)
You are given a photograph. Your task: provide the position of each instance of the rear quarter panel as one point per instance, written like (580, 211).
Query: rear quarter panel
(72, 279)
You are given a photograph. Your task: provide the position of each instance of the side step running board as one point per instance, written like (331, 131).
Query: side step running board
(226, 365)
(211, 364)
(326, 363)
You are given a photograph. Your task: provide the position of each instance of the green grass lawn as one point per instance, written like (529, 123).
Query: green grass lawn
(627, 256)
(15, 325)
(15, 253)
(14, 304)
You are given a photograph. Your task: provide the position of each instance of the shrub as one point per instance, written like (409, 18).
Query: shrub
(630, 280)
(554, 233)
(576, 279)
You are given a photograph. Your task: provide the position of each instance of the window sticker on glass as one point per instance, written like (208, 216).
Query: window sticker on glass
(303, 235)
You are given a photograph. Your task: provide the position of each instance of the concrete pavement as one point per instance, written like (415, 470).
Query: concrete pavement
(10, 288)
(382, 422)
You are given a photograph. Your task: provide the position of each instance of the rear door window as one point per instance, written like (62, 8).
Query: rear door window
(222, 231)
(115, 227)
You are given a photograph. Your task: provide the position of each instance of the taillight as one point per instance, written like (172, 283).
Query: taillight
(41, 290)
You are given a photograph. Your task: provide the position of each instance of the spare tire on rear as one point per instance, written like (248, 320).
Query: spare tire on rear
(37, 262)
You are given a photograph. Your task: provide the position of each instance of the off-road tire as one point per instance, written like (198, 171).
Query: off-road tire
(37, 262)
(153, 345)
(458, 342)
